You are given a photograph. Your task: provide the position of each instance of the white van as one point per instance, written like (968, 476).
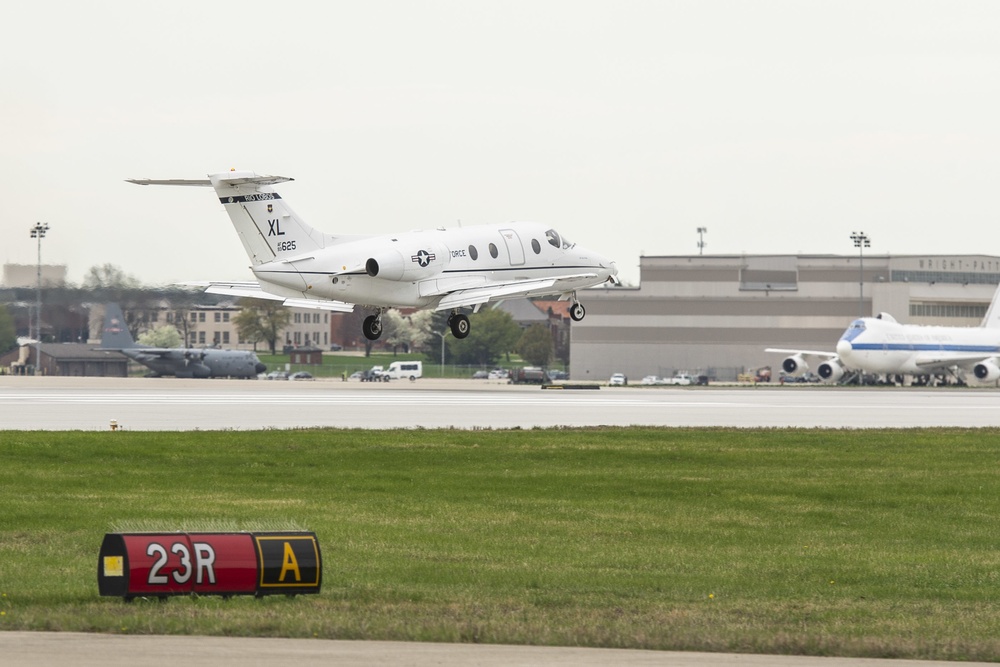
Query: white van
(405, 369)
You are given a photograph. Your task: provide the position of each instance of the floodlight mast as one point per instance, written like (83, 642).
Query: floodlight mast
(861, 241)
(701, 239)
(38, 232)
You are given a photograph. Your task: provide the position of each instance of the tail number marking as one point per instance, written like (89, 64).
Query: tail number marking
(274, 228)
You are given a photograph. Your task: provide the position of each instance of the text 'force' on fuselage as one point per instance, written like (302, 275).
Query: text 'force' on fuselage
(440, 269)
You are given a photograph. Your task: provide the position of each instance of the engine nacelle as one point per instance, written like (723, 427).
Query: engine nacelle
(794, 364)
(987, 371)
(830, 371)
(409, 261)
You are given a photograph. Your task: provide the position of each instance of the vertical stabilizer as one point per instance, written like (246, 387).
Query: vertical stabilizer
(269, 229)
(992, 319)
(115, 334)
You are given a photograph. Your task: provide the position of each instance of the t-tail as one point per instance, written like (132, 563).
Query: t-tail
(269, 229)
(115, 334)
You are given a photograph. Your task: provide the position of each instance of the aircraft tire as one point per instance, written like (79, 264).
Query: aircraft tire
(372, 327)
(460, 326)
(577, 312)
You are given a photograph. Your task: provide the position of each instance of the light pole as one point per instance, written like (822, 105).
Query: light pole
(38, 232)
(438, 333)
(701, 239)
(861, 241)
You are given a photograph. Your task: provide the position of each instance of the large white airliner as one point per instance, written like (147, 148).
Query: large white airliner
(443, 269)
(884, 346)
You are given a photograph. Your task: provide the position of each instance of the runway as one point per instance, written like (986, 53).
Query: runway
(52, 403)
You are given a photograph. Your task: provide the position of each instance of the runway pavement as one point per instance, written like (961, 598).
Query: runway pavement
(51, 403)
(36, 649)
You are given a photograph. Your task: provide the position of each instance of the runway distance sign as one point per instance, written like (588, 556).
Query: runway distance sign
(164, 564)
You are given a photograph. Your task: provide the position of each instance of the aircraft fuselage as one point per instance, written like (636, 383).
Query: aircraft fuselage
(877, 346)
(416, 269)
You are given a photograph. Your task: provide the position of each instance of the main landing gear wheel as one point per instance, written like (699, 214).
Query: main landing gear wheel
(372, 327)
(459, 325)
(577, 312)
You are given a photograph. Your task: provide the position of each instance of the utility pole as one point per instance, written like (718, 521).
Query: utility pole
(861, 241)
(701, 239)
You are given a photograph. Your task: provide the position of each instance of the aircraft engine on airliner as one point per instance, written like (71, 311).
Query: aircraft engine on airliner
(831, 370)
(794, 364)
(987, 371)
(410, 261)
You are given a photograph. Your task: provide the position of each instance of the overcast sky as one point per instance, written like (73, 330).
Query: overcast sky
(780, 126)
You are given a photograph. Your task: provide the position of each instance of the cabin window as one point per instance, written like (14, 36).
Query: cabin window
(536, 246)
(473, 253)
(494, 253)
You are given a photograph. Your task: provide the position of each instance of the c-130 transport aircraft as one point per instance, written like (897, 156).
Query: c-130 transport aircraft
(190, 362)
(442, 269)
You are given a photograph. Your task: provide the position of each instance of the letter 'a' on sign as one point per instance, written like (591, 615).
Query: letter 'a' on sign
(288, 562)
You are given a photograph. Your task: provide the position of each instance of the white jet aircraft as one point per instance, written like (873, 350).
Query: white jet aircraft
(882, 345)
(443, 269)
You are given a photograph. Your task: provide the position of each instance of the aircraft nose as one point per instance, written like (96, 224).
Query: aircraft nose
(260, 367)
(611, 271)
(844, 348)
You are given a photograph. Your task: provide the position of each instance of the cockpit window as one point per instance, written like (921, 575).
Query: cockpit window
(552, 236)
(856, 329)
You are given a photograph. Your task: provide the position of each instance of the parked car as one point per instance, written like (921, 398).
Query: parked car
(652, 380)
(356, 375)
(498, 374)
(682, 379)
(618, 380)
(555, 375)
(480, 375)
(300, 375)
(336, 348)
(277, 375)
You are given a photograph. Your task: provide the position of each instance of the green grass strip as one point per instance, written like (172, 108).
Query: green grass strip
(820, 542)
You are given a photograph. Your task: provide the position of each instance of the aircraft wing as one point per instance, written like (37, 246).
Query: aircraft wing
(476, 296)
(930, 362)
(804, 353)
(253, 290)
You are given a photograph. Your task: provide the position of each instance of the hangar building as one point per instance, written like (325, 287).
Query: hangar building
(715, 314)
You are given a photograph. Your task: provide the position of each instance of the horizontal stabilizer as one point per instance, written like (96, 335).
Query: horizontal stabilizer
(203, 182)
(241, 179)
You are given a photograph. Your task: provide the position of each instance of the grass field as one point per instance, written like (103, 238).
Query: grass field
(853, 543)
